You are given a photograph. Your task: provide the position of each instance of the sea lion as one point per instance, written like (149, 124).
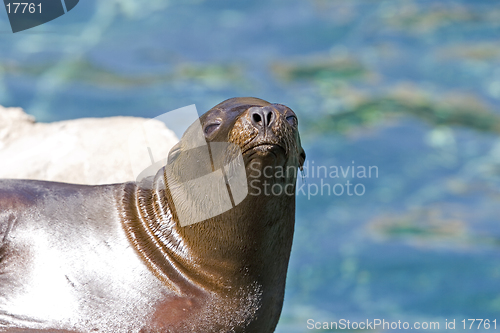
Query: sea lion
(115, 258)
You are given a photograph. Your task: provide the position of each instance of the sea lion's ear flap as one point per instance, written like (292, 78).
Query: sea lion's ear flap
(174, 153)
(302, 158)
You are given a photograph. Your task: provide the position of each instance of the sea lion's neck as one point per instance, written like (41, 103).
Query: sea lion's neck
(149, 225)
(241, 256)
(249, 243)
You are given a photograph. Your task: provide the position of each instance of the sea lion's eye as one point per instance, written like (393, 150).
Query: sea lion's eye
(292, 120)
(210, 128)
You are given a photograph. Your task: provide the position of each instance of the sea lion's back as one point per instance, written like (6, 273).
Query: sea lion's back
(65, 261)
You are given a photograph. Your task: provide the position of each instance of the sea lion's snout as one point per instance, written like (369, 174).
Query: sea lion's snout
(273, 130)
(271, 122)
(262, 118)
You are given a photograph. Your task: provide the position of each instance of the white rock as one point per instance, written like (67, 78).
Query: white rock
(84, 151)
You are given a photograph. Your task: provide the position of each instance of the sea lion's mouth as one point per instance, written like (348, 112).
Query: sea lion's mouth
(272, 148)
(269, 154)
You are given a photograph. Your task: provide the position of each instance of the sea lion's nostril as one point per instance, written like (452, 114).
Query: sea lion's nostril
(262, 117)
(270, 116)
(257, 119)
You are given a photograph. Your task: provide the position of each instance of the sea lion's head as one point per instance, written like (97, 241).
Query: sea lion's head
(264, 134)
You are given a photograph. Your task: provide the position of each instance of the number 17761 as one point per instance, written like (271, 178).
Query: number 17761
(481, 323)
(30, 6)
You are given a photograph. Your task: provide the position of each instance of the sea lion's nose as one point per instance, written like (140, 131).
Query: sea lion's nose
(262, 117)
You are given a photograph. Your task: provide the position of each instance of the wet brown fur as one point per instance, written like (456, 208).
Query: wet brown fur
(227, 273)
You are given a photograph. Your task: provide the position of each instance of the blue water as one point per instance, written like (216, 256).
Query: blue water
(422, 242)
